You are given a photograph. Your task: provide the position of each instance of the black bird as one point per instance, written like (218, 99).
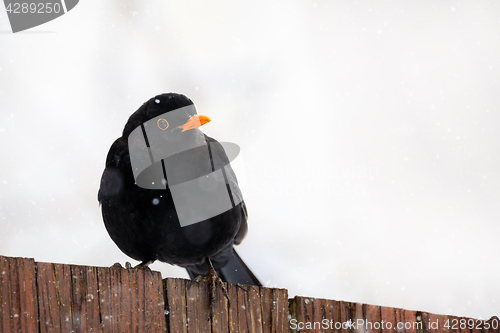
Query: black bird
(139, 209)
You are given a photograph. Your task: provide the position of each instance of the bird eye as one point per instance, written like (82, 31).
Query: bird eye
(162, 124)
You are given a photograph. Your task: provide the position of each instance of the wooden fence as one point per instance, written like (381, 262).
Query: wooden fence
(47, 297)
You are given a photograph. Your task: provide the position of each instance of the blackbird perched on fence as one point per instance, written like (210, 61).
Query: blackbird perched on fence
(168, 193)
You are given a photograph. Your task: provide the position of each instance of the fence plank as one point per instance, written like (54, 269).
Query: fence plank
(176, 304)
(220, 320)
(18, 296)
(279, 313)
(233, 322)
(198, 308)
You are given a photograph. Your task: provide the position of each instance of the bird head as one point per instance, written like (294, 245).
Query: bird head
(174, 113)
(161, 131)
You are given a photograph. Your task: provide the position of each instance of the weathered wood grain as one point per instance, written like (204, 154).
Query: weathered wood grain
(18, 296)
(175, 302)
(220, 317)
(321, 315)
(250, 308)
(47, 297)
(89, 299)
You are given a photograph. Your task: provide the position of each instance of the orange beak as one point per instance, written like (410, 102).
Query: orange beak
(194, 122)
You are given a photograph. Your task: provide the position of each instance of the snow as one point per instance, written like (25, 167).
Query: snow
(312, 96)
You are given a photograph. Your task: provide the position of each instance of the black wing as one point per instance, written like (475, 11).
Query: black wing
(113, 178)
(219, 159)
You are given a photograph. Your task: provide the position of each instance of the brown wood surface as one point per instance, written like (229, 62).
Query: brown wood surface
(311, 313)
(250, 308)
(90, 299)
(47, 297)
(18, 297)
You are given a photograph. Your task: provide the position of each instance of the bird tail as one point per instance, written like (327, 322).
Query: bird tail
(234, 271)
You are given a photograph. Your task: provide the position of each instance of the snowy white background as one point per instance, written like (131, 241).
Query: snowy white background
(370, 136)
